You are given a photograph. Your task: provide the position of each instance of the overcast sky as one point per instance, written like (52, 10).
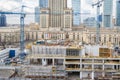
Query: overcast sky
(14, 5)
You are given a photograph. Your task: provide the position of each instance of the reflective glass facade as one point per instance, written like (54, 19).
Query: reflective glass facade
(107, 10)
(42, 4)
(76, 11)
(118, 13)
(2, 20)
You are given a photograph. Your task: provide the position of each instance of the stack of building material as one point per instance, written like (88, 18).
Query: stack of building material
(6, 73)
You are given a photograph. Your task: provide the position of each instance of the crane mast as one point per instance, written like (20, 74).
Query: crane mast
(98, 4)
(22, 45)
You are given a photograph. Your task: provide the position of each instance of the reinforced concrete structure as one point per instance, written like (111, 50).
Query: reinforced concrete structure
(79, 62)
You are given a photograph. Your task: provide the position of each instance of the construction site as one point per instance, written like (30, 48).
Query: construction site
(65, 61)
(58, 50)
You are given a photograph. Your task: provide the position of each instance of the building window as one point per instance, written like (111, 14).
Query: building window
(94, 39)
(100, 39)
(73, 36)
(109, 39)
(115, 40)
(78, 37)
(104, 39)
(67, 36)
(42, 36)
(43, 12)
(67, 12)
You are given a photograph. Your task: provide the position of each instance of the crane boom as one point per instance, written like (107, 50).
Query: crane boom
(22, 16)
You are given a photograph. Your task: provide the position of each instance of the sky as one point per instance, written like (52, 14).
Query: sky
(14, 5)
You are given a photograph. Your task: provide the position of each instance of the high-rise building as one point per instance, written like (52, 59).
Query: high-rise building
(2, 20)
(118, 13)
(107, 13)
(57, 13)
(42, 4)
(60, 17)
(76, 11)
(37, 15)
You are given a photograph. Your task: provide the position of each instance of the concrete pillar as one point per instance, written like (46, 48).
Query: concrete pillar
(44, 62)
(103, 73)
(92, 75)
(64, 63)
(92, 64)
(53, 61)
(117, 67)
(81, 75)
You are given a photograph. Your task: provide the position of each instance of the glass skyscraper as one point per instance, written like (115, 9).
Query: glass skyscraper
(107, 11)
(118, 13)
(2, 20)
(37, 15)
(42, 4)
(76, 11)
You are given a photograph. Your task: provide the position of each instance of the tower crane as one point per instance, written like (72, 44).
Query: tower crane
(98, 4)
(22, 16)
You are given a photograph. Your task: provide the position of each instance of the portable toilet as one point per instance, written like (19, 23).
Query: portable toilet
(11, 53)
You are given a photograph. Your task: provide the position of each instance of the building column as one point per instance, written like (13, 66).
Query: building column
(64, 63)
(92, 69)
(53, 62)
(92, 75)
(103, 73)
(81, 75)
(44, 62)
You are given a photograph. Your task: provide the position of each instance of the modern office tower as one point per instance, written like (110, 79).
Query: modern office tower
(37, 15)
(118, 13)
(2, 20)
(57, 13)
(90, 22)
(42, 4)
(107, 13)
(76, 11)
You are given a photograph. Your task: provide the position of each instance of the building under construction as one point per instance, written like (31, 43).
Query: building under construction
(76, 61)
